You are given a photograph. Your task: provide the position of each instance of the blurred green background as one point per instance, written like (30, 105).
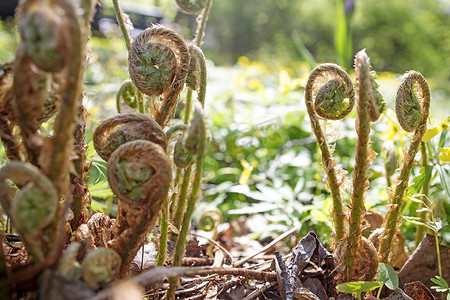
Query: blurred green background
(262, 157)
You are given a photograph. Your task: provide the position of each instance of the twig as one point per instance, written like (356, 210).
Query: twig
(159, 273)
(260, 291)
(230, 284)
(267, 247)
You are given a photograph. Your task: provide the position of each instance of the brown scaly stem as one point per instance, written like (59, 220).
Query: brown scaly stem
(202, 23)
(412, 117)
(340, 87)
(80, 194)
(363, 160)
(420, 233)
(30, 90)
(57, 169)
(5, 283)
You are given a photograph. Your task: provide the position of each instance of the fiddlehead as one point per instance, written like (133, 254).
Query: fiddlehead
(363, 158)
(100, 267)
(118, 130)
(181, 158)
(43, 30)
(210, 220)
(390, 158)
(196, 79)
(192, 7)
(127, 94)
(403, 103)
(158, 64)
(407, 106)
(33, 208)
(139, 173)
(338, 90)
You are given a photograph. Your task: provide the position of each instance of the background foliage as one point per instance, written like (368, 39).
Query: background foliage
(262, 157)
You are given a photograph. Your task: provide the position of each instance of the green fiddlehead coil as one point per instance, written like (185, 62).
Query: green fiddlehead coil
(181, 158)
(195, 137)
(390, 158)
(329, 95)
(192, 7)
(127, 94)
(196, 79)
(376, 101)
(139, 173)
(31, 209)
(100, 267)
(118, 130)
(405, 95)
(210, 219)
(140, 165)
(43, 30)
(172, 132)
(407, 106)
(158, 64)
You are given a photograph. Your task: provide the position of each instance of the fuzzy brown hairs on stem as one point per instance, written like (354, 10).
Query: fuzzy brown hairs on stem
(406, 103)
(363, 158)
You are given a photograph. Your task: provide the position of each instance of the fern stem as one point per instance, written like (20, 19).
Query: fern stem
(202, 23)
(122, 26)
(393, 217)
(328, 163)
(360, 172)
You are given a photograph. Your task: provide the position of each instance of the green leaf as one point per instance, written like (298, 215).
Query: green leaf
(438, 224)
(440, 281)
(358, 286)
(443, 175)
(415, 221)
(97, 206)
(387, 275)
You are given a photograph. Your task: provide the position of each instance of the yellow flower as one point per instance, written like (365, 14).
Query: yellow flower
(247, 171)
(254, 84)
(243, 61)
(285, 82)
(445, 156)
(431, 132)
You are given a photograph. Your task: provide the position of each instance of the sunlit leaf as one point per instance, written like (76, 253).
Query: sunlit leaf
(387, 275)
(358, 286)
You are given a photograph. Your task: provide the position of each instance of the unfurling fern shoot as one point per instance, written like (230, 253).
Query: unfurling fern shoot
(334, 100)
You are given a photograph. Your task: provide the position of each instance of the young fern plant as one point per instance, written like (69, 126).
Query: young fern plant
(334, 100)
(369, 106)
(412, 115)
